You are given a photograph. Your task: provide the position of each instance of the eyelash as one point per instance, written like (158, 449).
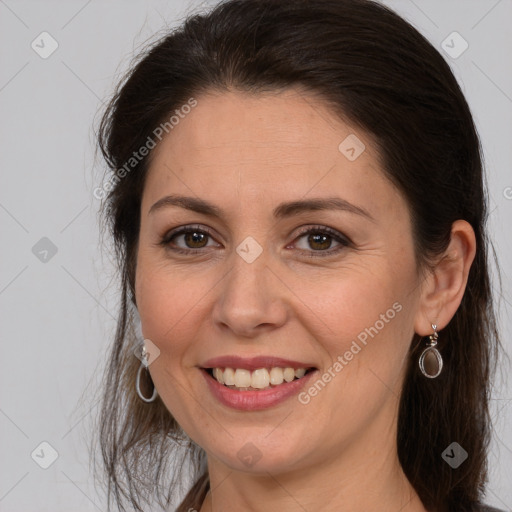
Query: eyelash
(345, 242)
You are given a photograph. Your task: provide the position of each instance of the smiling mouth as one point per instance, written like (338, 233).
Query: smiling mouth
(257, 380)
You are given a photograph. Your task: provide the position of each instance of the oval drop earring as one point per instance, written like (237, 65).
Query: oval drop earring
(144, 364)
(431, 362)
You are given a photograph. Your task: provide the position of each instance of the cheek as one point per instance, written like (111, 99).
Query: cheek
(157, 297)
(347, 303)
(366, 318)
(162, 303)
(170, 300)
(169, 305)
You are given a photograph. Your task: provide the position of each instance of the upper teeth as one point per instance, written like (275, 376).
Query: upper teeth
(260, 379)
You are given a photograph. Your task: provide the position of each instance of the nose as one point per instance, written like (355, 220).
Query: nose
(251, 298)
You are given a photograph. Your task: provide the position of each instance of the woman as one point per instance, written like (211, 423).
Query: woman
(298, 209)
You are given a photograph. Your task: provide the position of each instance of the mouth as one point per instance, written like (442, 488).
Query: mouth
(260, 379)
(270, 387)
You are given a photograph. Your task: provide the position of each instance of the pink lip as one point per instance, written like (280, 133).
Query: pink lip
(253, 363)
(255, 400)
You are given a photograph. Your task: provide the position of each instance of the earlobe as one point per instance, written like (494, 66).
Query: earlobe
(443, 290)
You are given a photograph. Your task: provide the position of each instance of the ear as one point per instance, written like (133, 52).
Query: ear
(443, 289)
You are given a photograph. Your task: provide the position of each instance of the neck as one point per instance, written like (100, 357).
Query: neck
(365, 476)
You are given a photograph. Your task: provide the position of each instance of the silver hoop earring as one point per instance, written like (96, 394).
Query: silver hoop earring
(144, 364)
(431, 362)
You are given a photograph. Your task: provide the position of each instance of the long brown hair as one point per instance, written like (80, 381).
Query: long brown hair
(377, 71)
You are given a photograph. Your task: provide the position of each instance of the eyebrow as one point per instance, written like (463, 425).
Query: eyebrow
(282, 211)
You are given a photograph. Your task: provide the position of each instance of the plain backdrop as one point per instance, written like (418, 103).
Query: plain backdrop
(58, 294)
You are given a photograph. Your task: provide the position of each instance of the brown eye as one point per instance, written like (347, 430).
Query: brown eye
(318, 241)
(186, 240)
(195, 239)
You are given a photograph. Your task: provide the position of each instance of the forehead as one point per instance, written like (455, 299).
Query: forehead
(291, 119)
(287, 142)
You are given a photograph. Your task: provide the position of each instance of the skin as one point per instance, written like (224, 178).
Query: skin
(246, 154)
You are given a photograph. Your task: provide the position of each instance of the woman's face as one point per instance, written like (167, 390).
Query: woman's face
(343, 299)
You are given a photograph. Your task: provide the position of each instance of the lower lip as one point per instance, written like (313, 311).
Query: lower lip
(255, 400)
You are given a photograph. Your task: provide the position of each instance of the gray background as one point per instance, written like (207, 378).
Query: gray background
(58, 310)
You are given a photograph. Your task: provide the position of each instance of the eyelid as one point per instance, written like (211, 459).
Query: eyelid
(183, 230)
(334, 233)
(342, 240)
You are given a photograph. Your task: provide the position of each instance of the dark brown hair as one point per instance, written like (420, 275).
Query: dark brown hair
(377, 71)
